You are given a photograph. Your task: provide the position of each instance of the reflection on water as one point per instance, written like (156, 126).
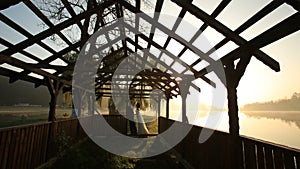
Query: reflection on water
(277, 127)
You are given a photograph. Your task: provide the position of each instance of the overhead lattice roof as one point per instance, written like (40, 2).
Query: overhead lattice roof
(29, 53)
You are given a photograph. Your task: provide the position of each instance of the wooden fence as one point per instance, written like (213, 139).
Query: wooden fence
(29, 146)
(215, 152)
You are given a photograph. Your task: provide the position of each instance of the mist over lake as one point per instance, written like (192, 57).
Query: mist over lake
(280, 127)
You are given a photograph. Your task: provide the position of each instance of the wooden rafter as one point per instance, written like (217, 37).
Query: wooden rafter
(218, 26)
(283, 29)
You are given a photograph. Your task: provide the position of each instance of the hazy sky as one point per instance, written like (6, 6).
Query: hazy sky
(259, 83)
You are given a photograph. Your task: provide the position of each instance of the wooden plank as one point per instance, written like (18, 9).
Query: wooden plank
(260, 156)
(279, 164)
(45, 142)
(35, 148)
(16, 148)
(3, 140)
(54, 133)
(13, 149)
(31, 146)
(298, 161)
(24, 145)
(21, 155)
(26, 164)
(269, 158)
(7, 148)
(40, 147)
(289, 162)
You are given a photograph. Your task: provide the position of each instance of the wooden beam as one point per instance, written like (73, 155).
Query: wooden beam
(39, 14)
(7, 3)
(158, 7)
(175, 73)
(24, 32)
(259, 15)
(26, 66)
(146, 77)
(60, 53)
(10, 73)
(9, 45)
(55, 29)
(72, 12)
(294, 3)
(216, 12)
(282, 29)
(256, 17)
(166, 31)
(218, 26)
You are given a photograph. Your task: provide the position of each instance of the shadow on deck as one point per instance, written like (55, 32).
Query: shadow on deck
(88, 155)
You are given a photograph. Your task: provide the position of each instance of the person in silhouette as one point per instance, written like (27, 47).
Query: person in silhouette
(142, 129)
(130, 115)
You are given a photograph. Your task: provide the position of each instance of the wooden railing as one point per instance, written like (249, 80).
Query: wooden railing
(215, 152)
(29, 146)
(261, 154)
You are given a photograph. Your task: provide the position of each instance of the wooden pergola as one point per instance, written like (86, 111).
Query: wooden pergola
(104, 13)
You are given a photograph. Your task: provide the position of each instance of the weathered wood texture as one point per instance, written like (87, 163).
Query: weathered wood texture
(215, 153)
(30, 146)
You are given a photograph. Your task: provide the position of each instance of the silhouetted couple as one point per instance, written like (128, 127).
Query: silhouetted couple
(141, 129)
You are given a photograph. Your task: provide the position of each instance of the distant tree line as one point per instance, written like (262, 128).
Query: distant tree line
(291, 104)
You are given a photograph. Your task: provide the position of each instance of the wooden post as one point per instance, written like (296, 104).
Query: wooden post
(184, 117)
(91, 104)
(184, 91)
(53, 88)
(233, 76)
(168, 94)
(158, 106)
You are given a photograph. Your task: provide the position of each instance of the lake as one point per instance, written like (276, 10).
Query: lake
(281, 127)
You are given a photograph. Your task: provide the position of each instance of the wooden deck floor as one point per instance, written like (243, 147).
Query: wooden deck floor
(89, 156)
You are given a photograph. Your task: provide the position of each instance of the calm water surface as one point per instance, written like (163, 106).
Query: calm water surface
(276, 126)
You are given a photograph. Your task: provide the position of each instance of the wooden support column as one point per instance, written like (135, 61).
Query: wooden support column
(233, 75)
(53, 88)
(184, 91)
(168, 95)
(184, 117)
(91, 104)
(158, 106)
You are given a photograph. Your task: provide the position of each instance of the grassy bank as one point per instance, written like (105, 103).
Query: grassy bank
(14, 116)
